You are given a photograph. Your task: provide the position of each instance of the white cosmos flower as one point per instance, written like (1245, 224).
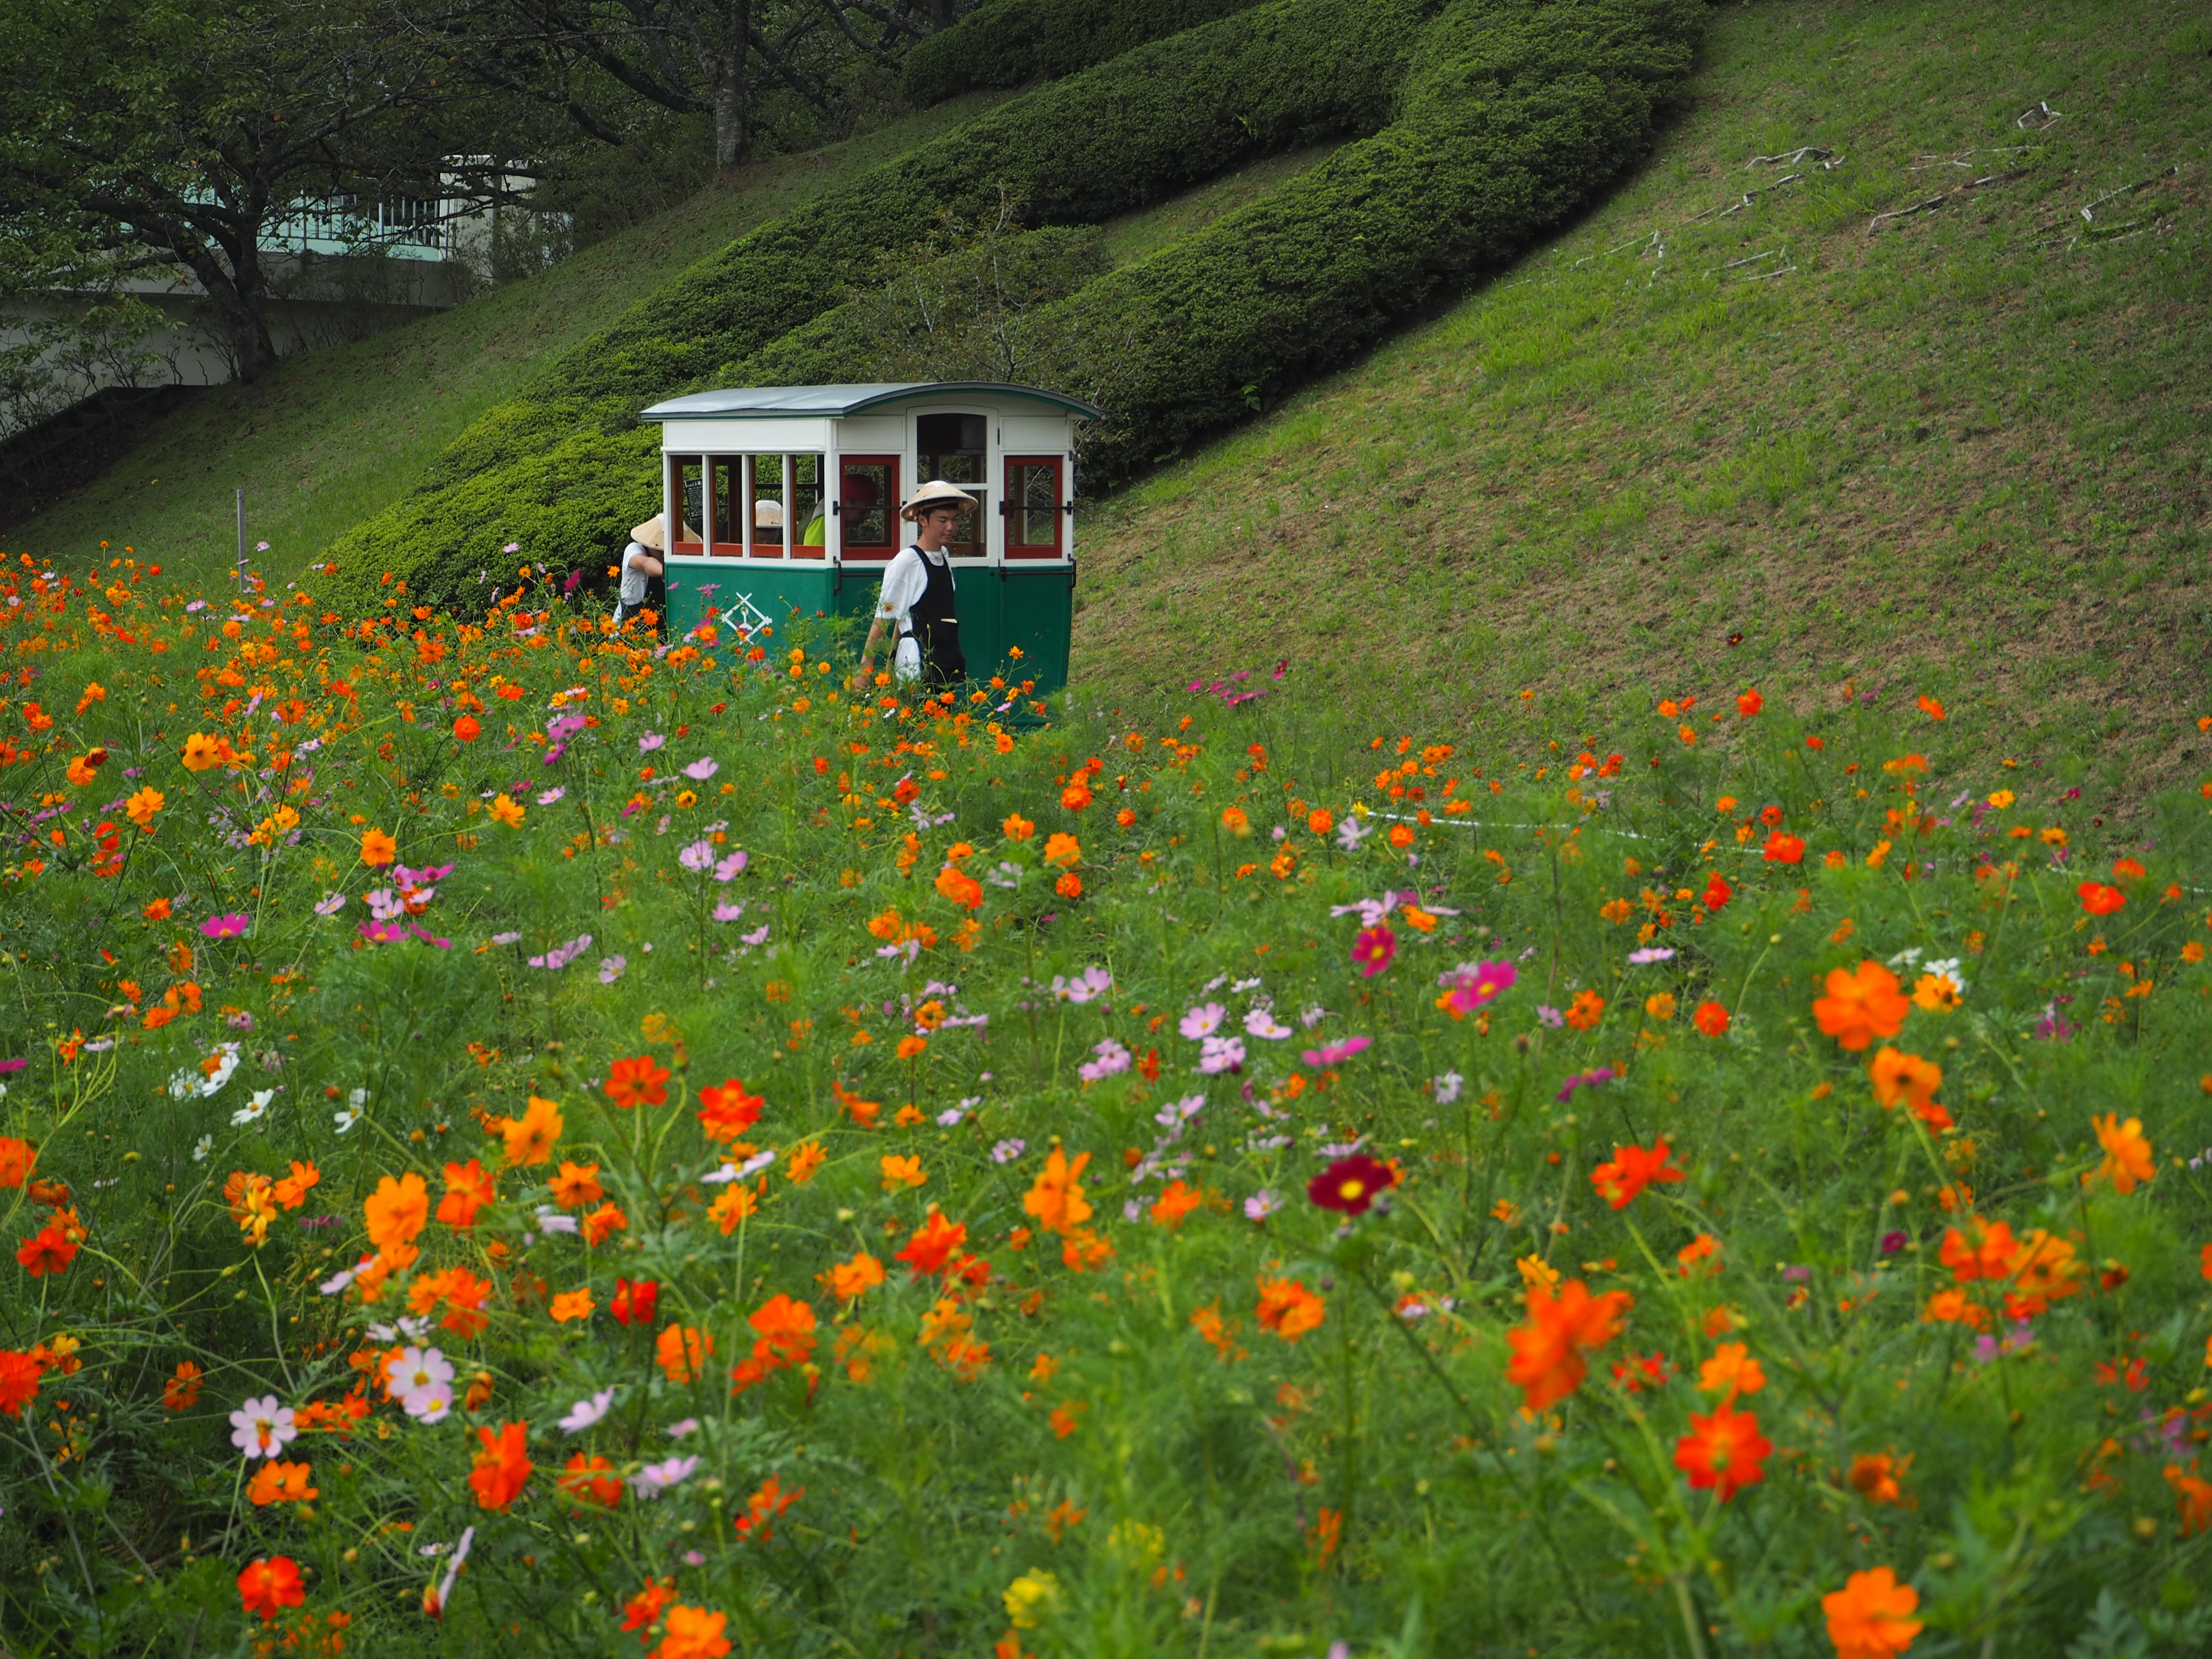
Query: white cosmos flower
(585, 1413)
(655, 1479)
(253, 1108)
(261, 1428)
(422, 1381)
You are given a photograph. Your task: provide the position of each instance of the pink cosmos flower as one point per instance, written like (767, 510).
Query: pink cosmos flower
(225, 926)
(1335, 1053)
(1373, 949)
(1473, 983)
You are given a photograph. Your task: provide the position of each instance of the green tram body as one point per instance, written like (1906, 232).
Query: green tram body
(789, 499)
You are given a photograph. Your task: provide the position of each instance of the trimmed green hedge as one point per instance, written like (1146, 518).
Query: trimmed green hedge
(1009, 42)
(1486, 124)
(1140, 129)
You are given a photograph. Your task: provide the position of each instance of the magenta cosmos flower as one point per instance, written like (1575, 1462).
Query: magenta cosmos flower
(1373, 950)
(225, 926)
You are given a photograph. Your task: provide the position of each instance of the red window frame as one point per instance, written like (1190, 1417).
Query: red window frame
(871, 553)
(1011, 502)
(676, 505)
(726, 466)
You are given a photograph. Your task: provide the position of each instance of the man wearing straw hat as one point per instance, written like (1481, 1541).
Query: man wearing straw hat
(917, 600)
(643, 585)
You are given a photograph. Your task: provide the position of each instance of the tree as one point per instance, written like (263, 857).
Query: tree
(174, 133)
(717, 57)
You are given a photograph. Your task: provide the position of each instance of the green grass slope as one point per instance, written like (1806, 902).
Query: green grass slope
(333, 436)
(1963, 453)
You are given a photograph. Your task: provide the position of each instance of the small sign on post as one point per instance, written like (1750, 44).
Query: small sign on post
(241, 544)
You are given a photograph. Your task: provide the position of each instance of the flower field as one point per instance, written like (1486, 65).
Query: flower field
(523, 1139)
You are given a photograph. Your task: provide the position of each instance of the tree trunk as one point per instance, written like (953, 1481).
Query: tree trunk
(723, 63)
(238, 295)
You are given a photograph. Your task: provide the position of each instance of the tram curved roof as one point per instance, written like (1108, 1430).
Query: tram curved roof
(838, 401)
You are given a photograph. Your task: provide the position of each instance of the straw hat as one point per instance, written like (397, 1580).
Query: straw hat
(653, 533)
(935, 493)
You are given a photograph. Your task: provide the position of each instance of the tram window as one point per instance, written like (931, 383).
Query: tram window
(768, 519)
(808, 509)
(953, 447)
(1033, 501)
(867, 506)
(725, 497)
(687, 487)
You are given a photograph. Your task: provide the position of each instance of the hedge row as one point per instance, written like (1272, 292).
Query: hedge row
(556, 469)
(1518, 117)
(1009, 42)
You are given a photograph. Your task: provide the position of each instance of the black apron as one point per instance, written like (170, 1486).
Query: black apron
(935, 626)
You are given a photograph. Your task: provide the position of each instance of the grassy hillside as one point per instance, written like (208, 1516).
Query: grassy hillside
(334, 435)
(1961, 454)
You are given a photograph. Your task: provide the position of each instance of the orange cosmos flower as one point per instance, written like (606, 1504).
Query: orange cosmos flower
(1585, 1011)
(48, 1251)
(577, 1186)
(1288, 1308)
(960, 887)
(682, 1351)
(589, 1483)
(17, 1160)
(19, 1380)
(606, 1220)
(143, 805)
(377, 848)
(571, 1304)
(1056, 1199)
(291, 1191)
(769, 1501)
(1017, 828)
(807, 1158)
(2127, 1158)
(932, 1244)
(276, 1482)
(1711, 1020)
(1724, 1451)
(726, 1111)
(2194, 1494)
(1874, 1477)
(1748, 703)
(637, 1082)
(1729, 1372)
(1631, 1170)
(1902, 1078)
(900, 1172)
(529, 1139)
(1065, 851)
(460, 1291)
(1547, 1363)
(734, 1205)
(1955, 1308)
(269, 1587)
(693, 1633)
(397, 1210)
(182, 1392)
(1076, 796)
(1862, 1004)
(1871, 1616)
(501, 1466)
(469, 1188)
(2100, 900)
(201, 752)
(467, 729)
(785, 1338)
(855, 1278)
(1170, 1208)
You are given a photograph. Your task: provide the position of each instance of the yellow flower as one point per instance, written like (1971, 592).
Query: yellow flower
(201, 752)
(1030, 1597)
(141, 806)
(1537, 1273)
(1660, 1005)
(901, 1172)
(506, 810)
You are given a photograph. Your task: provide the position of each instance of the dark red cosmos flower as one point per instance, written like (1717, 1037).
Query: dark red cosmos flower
(634, 1303)
(1352, 1184)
